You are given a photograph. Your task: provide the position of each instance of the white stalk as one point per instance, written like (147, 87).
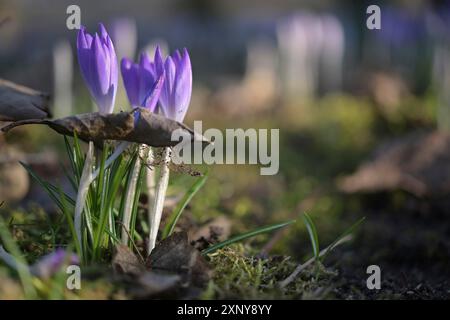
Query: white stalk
(150, 180)
(83, 188)
(158, 204)
(129, 197)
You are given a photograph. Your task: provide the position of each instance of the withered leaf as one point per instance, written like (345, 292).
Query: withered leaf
(418, 163)
(174, 254)
(126, 262)
(138, 125)
(20, 103)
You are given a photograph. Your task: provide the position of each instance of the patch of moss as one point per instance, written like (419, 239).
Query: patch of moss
(240, 274)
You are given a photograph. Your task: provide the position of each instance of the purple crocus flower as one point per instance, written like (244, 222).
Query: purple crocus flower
(98, 63)
(53, 262)
(177, 88)
(143, 81)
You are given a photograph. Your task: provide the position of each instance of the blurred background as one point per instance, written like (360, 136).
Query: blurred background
(363, 118)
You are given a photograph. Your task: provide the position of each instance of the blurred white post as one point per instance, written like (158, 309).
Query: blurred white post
(333, 47)
(124, 36)
(62, 79)
(260, 82)
(300, 43)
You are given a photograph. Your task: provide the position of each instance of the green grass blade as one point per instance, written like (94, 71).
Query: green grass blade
(52, 190)
(137, 194)
(313, 236)
(175, 215)
(246, 236)
(346, 233)
(101, 194)
(69, 220)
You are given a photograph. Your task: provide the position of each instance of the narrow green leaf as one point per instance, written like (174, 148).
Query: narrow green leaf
(246, 236)
(137, 194)
(101, 193)
(312, 234)
(69, 220)
(176, 213)
(50, 188)
(346, 233)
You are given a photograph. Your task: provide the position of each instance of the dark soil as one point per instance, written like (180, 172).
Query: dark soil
(411, 245)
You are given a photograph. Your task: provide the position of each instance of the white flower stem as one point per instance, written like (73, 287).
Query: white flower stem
(158, 204)
(83, 188)
(150, 180)
(129, 197)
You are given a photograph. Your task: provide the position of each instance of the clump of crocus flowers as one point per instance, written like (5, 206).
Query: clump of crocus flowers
(162, 85)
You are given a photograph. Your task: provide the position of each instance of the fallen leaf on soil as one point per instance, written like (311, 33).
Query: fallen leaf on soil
(174, 269)
(126, 262)
(138, 125)
(174, 254)
(20, 103)
(418, 163)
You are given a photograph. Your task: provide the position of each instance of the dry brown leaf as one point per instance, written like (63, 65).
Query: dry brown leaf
(174, 254)
(138, 125)
(126, 262)
(418, 163)
(20, 103)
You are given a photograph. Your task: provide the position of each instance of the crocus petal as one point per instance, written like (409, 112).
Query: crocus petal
(176, 57)
(131, 81)
(50, 264)
(98, 64)
(183, 86)
(102, 66)
(152, 98)
(84, 39)
(142, 83)
(114, 74)
(103, 32)
(158, 59)
(166, 98)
